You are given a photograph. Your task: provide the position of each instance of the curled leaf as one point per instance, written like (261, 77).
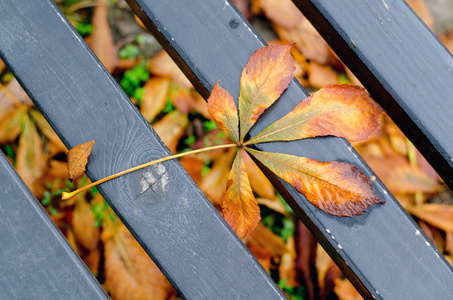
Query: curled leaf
(266, 75)
(223, 111)
(336, 188)
(340, 110)
(77, 159)
(239, 207)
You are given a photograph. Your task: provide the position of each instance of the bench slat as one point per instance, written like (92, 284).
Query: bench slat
(383, 252)
(161, 205)
(401, 63)
(36, 260)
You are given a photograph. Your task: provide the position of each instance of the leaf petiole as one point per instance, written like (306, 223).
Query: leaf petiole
(66, 196)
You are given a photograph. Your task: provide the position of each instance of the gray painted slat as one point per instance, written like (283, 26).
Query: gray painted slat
(383, 252)
(36, 261)
(161, 205)
(401, 63)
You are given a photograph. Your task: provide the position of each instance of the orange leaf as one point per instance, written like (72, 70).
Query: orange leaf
(30, 158)
(85, 232)
(154, 97)
(101, 41)
(259, 182)
(213, 184)
(10, 126)
(171, 128)
(266, 75)
(162, 65)
(223, 111)
(339, 110)
(129, 272)
(77, 159)
(239, 206)
(334, 187)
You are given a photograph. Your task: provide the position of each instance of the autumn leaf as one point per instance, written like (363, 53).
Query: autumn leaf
(77, 159)
(30, 158)
(129, 272)
(101, 41)
(239, 207)
(223, 111)
(266, 75)
(154, 97)
(337, 188)
(170, 129)
(339, 110)
(83, 224)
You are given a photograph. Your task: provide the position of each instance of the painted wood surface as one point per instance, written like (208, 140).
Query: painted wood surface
(161, 205)
(383, 252)
(400, 62)
(36, 260)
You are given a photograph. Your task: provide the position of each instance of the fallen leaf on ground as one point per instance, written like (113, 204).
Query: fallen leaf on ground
(30, 158)
(400, 177)
(336, 188)
(239, 207)
(193, 166)
(438, 215)
(154, 97)
(77, 159)
(266, 75)
(10, 126)
(171, 128)
(129, 271)
(214, 182)
(162, 65)
(321, 75)
(101, 41)
(339, 110)
(47, 130)
(345, 290)
(264, 238)
(83, 224)
(259, 182)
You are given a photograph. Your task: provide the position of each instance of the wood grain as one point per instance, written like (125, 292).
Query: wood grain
(383, 252)
(36, 259)
(161, 205)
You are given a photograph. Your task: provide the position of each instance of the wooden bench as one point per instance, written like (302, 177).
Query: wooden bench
(383, 252)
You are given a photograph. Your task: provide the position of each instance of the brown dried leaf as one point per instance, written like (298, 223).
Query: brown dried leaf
(47, 130)
(154, 97)
(438, 215)
(171, 128)
(77, 159)
(287, 267)
(162, 65)
(321, 75)
(265, 239)
(223, 111)
(401, 177)
(10, 125)
(266, 75)
(129, 272)
(336, 188)
(282, 12)
(12, 97)
(239, 207)
(345, 290)
(215, 182)
(193, 166)
(83, 224)
(30, 158)
(306, 259)
(259, 182)
(101, 41)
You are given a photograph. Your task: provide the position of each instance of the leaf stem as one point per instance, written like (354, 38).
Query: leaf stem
(73, 193)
